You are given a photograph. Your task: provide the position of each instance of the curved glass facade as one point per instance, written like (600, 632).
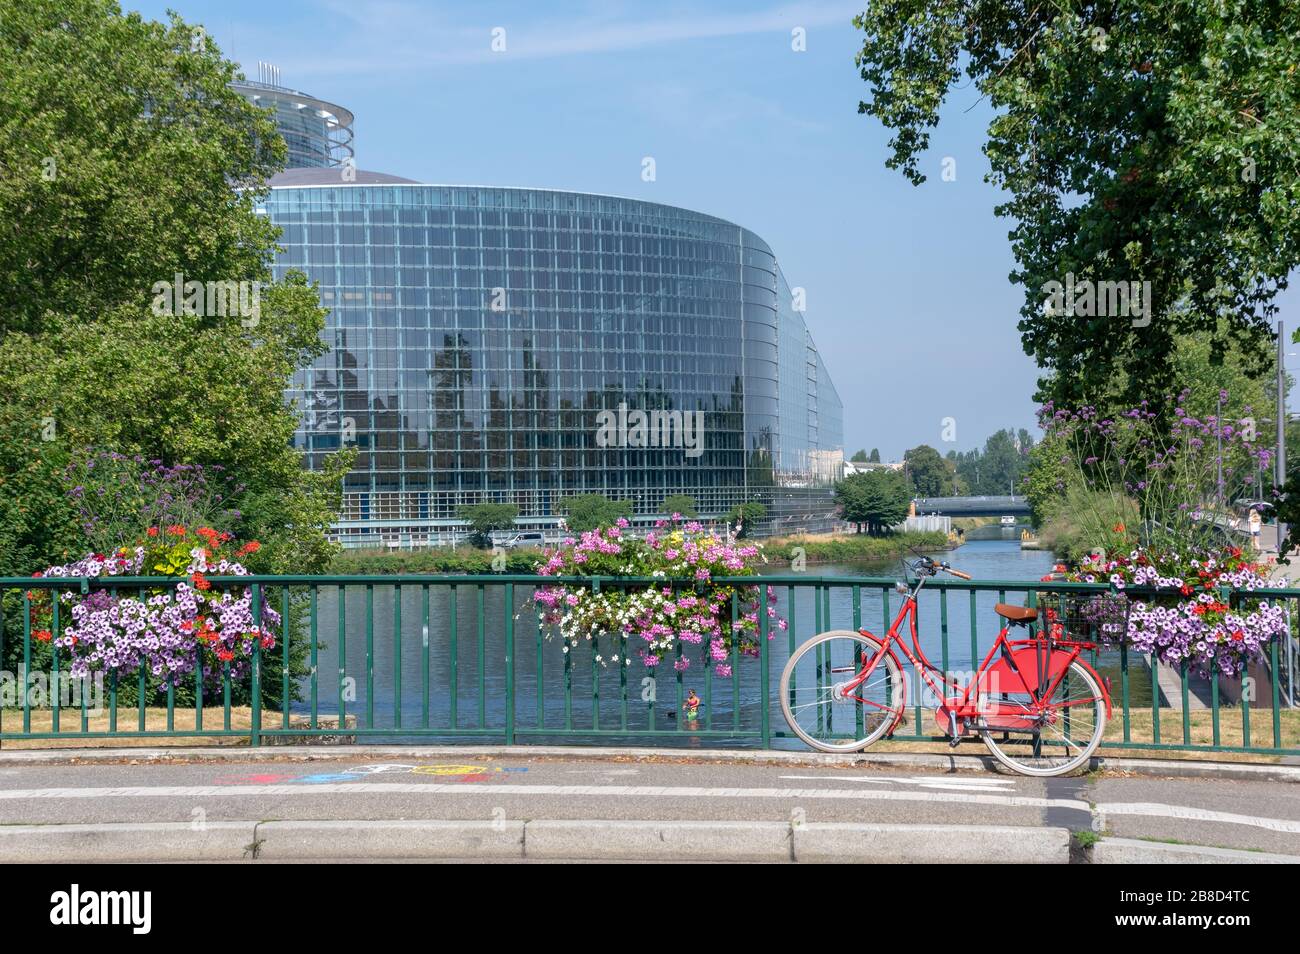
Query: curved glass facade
(317, 133)
(495, 344)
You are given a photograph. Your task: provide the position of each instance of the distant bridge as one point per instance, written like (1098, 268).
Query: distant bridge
(973, 506)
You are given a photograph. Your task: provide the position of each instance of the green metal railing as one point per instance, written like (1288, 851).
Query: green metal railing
(436, 657)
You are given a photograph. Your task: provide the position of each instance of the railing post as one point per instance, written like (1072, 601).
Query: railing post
(255, 721)
(510, 664)
(765, 676)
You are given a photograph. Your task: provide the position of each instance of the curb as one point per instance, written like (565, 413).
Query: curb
(156, 841)
(932, 844)
(1160, 768)
(658, 840)
(1132, 851)
(581, 840)
(289, 840)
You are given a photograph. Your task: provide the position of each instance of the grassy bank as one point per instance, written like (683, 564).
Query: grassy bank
(435, 560)
(852, 547)
(842, 548)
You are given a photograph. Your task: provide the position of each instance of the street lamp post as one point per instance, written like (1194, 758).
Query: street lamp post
(1280, 463)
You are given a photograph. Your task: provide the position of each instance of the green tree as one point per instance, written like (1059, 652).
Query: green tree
(747, 514)
(859, 457)
(37, 519)
(876, 499)
(999, 468)
(125, 160)
(930, 474)
(1138, 141)
(874, 458)
(591, 511)
(683, 504)
(485, 518)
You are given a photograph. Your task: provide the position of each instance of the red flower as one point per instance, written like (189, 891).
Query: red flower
(176, 530)
(152, 531)
(201, 582)
(252, 546)
(43, 635)
(1185, 590)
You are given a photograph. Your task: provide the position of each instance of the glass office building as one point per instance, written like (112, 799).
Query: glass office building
(318, 133)
(525, 345)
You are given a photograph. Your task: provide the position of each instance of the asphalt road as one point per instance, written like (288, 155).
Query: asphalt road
(1259, 815)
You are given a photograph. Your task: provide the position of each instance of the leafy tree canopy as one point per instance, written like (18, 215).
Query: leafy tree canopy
(126, 159)
(679, 503)
(485, 518)
(930, 474)
(590, 511)
(1139, 141)
(877, 499)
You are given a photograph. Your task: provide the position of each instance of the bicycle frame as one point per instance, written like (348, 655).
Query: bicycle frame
(1052, 659)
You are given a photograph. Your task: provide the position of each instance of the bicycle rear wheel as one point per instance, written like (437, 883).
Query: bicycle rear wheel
(818, 703)
(1053, 738)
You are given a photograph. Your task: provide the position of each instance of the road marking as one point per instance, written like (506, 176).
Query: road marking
(1188, 813)
(944, 782)
(359, 787)
(604, 772)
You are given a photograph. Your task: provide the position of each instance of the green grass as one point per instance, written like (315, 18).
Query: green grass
(464, 559)
(851, 548)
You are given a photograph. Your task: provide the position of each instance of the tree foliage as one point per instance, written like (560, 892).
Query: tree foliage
(876, 499)
(747, 514)
(1138, 140)
(931, 475)
(486, 518)
(683, 504)
(998, 469)
(591, 511)
(125, 160)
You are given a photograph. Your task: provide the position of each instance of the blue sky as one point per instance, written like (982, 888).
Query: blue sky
(908, 297)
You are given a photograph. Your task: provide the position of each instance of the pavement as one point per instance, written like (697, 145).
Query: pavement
(446, 804)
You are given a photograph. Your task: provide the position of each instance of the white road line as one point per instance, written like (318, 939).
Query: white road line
(944, 782)
(484, 788)
(966, 797)
(1189, 813)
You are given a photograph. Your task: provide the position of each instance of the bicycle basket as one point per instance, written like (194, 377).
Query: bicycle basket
(1083, 617)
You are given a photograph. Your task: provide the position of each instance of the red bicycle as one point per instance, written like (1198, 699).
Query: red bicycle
(1036, 703)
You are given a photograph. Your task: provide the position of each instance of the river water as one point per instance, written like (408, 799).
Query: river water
(460, 680)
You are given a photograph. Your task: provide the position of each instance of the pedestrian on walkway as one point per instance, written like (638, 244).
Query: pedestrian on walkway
(1255, 522)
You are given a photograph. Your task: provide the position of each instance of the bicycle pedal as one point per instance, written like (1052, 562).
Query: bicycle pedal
(954, 742)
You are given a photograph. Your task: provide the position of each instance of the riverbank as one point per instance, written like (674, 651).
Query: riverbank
(852, 547)
(838, 548)
(465, 559)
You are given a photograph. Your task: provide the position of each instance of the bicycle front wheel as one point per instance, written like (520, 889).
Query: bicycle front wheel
(823, 707)
(1054, 737)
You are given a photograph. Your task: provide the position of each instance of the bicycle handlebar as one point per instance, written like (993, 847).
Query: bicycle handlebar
(932, 566)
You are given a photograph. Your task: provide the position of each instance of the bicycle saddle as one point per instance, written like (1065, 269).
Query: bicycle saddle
(1016, 614)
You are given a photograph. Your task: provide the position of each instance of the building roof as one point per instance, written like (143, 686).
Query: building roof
(334, 175)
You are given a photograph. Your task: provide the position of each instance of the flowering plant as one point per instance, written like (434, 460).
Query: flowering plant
(169, 630)
(661, 617)
(1192, 619)
(1174, 475)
